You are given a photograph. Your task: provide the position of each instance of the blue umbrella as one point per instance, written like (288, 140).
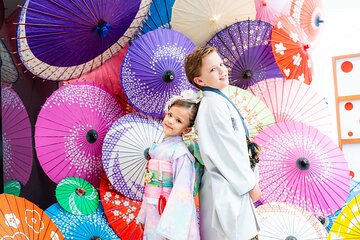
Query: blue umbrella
(92, 226)
(159, 15)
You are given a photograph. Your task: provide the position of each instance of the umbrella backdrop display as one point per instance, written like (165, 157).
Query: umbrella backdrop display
(153, 70)
(159, 16)
(200, 20)
(256, 114)
(302, 166)
(92, 226)
(293, 100)
(70, 130)
(12, 187)
(21, 219)
(308, 14)
(120, 211)
(77, 196)
(8, 72)
(288, 221)
(270, 10)
(50, 32)
(246, 49)
(347, 224)
(108, 76)
(125, 151)
(291, 48)
(16, 137)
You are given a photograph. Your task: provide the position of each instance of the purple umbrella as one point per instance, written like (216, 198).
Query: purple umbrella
(64, 39)
(17, 137)
(124, 152)
(246, 50)
(152, 70)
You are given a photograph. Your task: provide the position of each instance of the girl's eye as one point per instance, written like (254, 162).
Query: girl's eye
(169, 114)
(178, 121)
(222, 64)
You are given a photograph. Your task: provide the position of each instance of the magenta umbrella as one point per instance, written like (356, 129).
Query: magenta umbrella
(302, 166)
(16, 137)
(70, 130)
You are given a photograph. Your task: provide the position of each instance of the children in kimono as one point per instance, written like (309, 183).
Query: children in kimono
(168, 208)
(229, 186)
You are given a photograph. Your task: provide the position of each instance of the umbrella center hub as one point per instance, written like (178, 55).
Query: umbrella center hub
(146, 153)
(168, 76)
(102, 29)
(80, 191)
(303, 163)
(290, 238)
(215, 18)
(91, 136)
(95, 238)
(247, 74)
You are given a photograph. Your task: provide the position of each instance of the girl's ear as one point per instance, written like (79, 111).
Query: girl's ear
(199, 81)
(187, 130)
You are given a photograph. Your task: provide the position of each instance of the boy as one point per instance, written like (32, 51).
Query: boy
(229, 186)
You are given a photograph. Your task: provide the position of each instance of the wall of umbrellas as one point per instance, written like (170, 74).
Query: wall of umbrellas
(83, 88)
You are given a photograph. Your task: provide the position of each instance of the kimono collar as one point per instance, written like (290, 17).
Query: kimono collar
(172, 139)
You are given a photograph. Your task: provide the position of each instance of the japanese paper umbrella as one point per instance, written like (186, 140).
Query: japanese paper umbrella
(21, 219)
(292, 50)
(288, 221)
(308, 14)
(270, 10)
(77, 196)
(9, 72)
(153, 71)
(256, 114)
(302, 166)
(124, 152)
(293, 100)
(12, 187)
(120, 211)
(50, 32)
(246, 49)
(91, 226)
(347, 224)
(16, 137)
(70, 130)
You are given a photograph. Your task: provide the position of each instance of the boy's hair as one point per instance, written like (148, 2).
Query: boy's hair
(193, 108)
(193, 63)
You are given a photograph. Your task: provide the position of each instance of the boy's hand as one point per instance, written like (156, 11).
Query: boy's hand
(255, 193)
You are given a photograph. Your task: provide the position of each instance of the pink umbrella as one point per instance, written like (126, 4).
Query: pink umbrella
(301, 166)
(17, 137)
(294, 100)
(70, 130)
(270, 10)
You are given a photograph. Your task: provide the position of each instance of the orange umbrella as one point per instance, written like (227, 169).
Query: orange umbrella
(291, 49)
(21, 219)
(308, 14)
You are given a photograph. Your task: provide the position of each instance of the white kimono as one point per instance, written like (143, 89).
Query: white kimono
(226, 209)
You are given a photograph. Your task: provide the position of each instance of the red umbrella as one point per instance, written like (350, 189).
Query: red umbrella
(291, 48)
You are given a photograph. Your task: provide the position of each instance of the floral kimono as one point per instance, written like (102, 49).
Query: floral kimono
(172, 176)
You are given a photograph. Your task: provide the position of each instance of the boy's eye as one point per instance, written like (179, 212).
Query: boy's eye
(178, 120)
(169, 114)
(213, 69)
(222, 64)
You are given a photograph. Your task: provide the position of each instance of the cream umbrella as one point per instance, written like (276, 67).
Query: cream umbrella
(200, 20)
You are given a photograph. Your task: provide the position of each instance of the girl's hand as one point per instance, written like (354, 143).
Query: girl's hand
(255, 193)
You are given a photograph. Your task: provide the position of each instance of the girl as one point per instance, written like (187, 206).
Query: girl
(168, 209)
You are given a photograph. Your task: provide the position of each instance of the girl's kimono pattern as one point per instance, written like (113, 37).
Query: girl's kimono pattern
(179, 219)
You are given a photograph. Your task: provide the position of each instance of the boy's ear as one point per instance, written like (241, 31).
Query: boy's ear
(187, 130)
(199, 81)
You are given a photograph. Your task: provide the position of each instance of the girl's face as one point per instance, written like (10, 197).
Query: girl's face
(176, 121)
(213, 72)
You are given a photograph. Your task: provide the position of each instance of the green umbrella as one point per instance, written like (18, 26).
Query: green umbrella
(77, 196)
(12, 187)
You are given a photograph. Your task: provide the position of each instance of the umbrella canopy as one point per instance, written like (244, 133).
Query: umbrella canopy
(270, 10)
(70, 130)
(290, 222)
(302, 166)
(8, 72)
(50, 32)
(200, 20)
(152, 71)
(256, 114)
(21, 219)
(291, 48)
(246, 49)
(293, 100)
(12, 187)
(16, 137)
(120, 211)
(347, 224)
(308, 14)
(92, 226)
(125, 152)
(77, 196)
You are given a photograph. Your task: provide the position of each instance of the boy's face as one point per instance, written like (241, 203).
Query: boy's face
(213, 72)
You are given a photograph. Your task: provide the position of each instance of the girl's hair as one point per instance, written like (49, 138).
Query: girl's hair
(193, 108)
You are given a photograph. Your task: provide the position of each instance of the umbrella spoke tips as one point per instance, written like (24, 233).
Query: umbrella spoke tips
(91, 136)
(303, 163)
(168, 76)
